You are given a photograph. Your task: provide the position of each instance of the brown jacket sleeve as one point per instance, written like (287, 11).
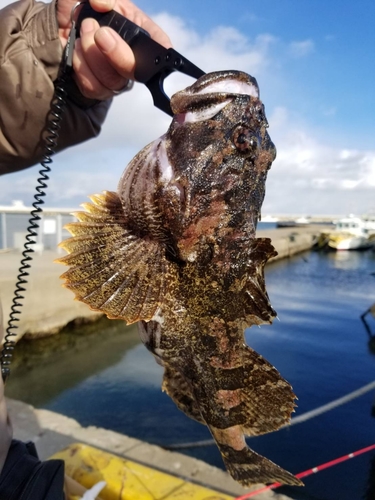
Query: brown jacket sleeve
(30, 55)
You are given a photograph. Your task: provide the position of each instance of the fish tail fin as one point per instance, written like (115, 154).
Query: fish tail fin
(245, 465)
(255, 401)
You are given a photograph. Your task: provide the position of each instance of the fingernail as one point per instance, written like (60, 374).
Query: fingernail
(105, 39)
(87, 26)
(103, 4)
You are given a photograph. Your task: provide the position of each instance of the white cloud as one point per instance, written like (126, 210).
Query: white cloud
(224, 47)
(309, 175)
(350, 183)
(301, 48)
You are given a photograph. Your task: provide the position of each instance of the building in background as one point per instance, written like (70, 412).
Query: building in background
(14, 221)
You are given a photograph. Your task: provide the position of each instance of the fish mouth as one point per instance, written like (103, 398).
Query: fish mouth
(210, 94)
(229, 82)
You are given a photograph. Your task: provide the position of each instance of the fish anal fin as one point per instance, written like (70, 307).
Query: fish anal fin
(247, 391)
(267, 399)
(247, 396)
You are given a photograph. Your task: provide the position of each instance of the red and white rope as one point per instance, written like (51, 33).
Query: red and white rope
(308, 472)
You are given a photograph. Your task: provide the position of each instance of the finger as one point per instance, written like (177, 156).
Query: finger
(137, 16)
(87, 83)
(98, 62)
(63, 13)
(102, 5)
(118, 53)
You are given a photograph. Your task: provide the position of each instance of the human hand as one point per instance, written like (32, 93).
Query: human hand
(103, 63)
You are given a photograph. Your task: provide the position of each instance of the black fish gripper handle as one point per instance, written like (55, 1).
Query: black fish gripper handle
(125, 28)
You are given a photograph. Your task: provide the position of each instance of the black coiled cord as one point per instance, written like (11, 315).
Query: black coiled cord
(51, 135)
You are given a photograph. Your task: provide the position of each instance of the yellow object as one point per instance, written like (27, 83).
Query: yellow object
(127, 480)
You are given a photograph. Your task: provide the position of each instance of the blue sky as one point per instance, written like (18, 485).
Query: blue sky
(325, 51)
(315, 64)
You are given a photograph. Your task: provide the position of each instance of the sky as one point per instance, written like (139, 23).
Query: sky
(314, 61)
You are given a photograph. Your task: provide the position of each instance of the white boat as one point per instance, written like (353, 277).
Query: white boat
(269, 218)
(303, 220)
(353, 233)
(369, 224)
(346, 241)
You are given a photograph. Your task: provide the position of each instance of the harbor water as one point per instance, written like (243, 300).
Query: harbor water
(319, 344)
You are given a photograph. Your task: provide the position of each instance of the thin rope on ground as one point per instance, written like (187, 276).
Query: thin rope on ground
(296, 420)
(333, 404)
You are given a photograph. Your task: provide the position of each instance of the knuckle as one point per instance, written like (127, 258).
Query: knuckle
(90, 90)
(109, 77)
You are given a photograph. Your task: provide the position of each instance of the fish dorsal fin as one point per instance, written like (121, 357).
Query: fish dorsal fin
(112, 269)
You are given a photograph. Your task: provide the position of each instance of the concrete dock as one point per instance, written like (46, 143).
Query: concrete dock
(52, 432)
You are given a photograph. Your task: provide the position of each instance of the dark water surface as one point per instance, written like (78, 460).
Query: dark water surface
(320, 345)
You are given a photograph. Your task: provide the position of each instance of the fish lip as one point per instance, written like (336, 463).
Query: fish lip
(201, 86)
(213, 89)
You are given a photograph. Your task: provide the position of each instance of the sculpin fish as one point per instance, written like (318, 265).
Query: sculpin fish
(175, 249)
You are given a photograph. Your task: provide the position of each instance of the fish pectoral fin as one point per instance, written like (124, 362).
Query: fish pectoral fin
(112, 269)
(244, 464)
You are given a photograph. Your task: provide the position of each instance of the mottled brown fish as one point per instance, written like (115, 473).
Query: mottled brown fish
(175, 249)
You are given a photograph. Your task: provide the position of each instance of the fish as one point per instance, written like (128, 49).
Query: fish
(175, 249)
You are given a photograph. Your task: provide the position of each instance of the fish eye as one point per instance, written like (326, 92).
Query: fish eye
(245, 140)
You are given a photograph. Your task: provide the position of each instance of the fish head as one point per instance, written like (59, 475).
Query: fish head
(204, 179)
(219, 148)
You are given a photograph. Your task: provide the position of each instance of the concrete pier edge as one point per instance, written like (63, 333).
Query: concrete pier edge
(51, 432)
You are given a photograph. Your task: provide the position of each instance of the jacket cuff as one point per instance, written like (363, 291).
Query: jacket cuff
(74, 95)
